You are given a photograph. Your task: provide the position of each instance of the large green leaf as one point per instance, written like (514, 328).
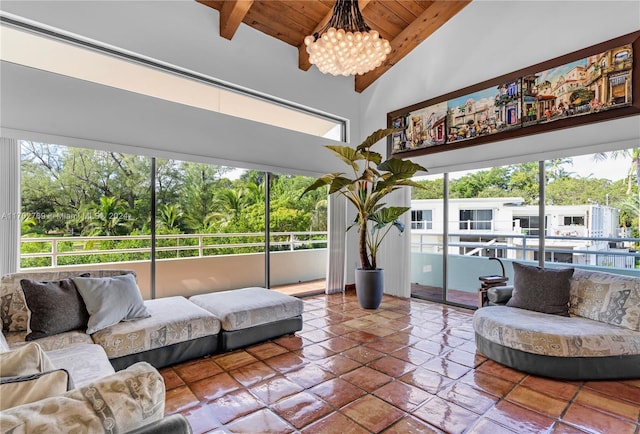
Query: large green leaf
(374, 157)
(375, 137)
(320, 182)
(392, 183)
(384, 216)
(338, 183)
(402, 169)
(347, 154)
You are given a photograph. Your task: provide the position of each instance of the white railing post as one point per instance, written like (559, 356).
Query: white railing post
(54, 253)
(292, 238)
(200, 245)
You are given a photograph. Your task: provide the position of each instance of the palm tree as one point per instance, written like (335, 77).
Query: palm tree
(630, 207)
(319, 216)
(233, 201)
(634, 168)
(554, 169)
(170, 216)
(27, 223)
(107, 218)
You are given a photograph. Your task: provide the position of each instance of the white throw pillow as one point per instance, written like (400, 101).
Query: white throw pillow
(26, 389)
(28, 359)
(110, 300)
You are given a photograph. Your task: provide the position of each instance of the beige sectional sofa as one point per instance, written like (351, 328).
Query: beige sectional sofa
(600, 339)
(120, 332)
(176, 330)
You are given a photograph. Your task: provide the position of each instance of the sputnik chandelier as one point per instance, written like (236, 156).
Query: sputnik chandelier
(346, 45)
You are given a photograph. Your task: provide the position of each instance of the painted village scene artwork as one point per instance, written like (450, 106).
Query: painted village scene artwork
(589, 85)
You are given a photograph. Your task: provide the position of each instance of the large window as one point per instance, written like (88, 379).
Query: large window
(591, 219)
(83, 207)
(427, 249)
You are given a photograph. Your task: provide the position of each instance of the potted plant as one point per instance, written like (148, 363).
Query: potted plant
(372, 180)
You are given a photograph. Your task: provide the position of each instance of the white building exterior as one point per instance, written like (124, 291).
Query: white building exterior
(505, 227)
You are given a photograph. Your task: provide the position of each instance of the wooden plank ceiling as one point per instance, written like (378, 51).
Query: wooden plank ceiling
(405, 23)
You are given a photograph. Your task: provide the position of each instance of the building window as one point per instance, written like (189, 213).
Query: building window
(476, 219)
(621, 56)
(530, 225)
(574, 220)
(421, 219)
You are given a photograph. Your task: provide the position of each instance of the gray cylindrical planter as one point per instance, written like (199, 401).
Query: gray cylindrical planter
(369, 287)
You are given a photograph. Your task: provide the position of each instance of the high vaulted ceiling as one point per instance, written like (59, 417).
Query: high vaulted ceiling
(405, 23)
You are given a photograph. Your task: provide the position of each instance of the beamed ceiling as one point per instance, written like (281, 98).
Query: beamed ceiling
(405, 23)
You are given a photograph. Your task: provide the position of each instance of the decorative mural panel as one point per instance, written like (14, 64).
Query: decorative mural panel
(421, 128)
(590, 85)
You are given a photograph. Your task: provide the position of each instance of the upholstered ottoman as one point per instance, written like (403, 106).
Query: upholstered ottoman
(251, 315)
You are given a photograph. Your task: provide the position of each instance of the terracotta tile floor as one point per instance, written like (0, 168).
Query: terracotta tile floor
(408, 367)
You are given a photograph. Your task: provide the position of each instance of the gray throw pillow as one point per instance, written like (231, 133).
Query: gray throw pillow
(541, 289)
(56, 307)
(110, 300)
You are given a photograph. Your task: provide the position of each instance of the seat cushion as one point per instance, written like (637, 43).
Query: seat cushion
(85, 363)
(249, 307)
(49, 343)
(173, 320)
(553, 335)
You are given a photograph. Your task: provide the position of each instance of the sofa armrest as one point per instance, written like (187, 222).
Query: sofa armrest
(173, 424)
(121, 402)
(499, 295)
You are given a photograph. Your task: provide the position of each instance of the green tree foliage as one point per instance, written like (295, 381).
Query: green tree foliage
(59, 184)
(170, 217)
(521, 180)
(72, 191)
(107, 218)
(432, 189)
(471, 185)
(197, 197)
(580, 191)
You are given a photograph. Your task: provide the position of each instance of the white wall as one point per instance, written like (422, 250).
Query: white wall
(488, 39)
(491, 38)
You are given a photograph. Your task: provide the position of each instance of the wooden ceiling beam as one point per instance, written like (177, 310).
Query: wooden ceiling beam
(303, 56)
(231, 15)
(428, 22)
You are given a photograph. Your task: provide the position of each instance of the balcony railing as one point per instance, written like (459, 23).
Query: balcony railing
(87, 250)
(590, 251)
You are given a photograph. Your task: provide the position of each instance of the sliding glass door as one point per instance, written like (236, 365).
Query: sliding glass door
(587, 215)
